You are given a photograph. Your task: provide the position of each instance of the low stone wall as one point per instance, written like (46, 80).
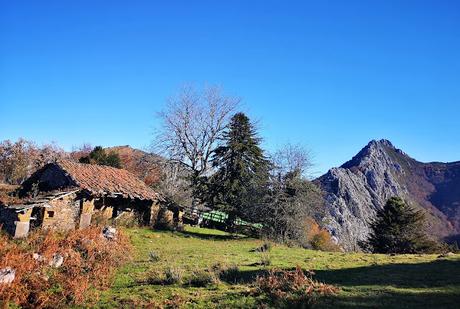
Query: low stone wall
(87, 208)
(68, 213)
(63, 215)
(154, 211)
(165, 219)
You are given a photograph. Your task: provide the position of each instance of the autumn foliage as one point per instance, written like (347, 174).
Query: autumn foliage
(89, 261)
(319, 238)
(291, 288)
(18, 160)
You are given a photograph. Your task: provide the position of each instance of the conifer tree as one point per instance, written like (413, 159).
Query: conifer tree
(241, 179)
(99, 156)
(398, 228)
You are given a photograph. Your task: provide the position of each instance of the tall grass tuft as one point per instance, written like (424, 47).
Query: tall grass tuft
(202, 278)
(173, 275)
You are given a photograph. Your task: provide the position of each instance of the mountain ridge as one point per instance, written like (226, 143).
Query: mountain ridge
(359, 187)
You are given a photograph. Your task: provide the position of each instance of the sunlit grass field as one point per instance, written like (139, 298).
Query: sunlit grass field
(365, 280)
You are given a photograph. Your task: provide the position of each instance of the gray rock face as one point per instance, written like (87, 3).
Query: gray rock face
(109, 233)
(357, 189)
(38, 257)
(7, 275)
(56, 261)
(362, 185)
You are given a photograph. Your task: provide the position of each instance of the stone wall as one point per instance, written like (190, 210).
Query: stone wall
(154, 211)
(165, 219)
(125, 212)
(23, 224)
(63, 214)
(72, 211)
(87, 208)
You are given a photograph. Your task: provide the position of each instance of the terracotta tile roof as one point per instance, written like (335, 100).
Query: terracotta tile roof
(106, 180)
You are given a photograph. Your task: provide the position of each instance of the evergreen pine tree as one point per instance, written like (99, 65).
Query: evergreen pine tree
(398, 228)
(100, 157)
(242, 170)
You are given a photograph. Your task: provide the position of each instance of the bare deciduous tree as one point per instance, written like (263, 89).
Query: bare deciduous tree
(294, 201)
(192, 123)
(47, 153)
(292, 159)
(173, 183)
(20, 159)
(80, 151)
(14, 160)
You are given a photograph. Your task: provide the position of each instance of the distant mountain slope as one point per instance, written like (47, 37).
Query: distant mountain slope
(362, 185)
(156, 171)
(146, 166)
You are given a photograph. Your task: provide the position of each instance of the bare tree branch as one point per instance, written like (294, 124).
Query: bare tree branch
(192, 123)
(292, 159)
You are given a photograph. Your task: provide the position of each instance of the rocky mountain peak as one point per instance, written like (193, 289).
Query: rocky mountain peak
(361, 186)
(381, 142)
(376, 151)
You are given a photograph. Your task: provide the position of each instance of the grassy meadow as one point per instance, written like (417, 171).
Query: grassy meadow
(365, 280)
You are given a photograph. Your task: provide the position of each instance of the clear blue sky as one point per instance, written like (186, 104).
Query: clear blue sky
(328, 74)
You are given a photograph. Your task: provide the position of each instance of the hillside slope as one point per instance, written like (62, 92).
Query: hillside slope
(146, 166)
(365, 280)
(362, 185)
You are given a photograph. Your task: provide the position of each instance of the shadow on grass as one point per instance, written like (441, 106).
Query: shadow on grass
(434, 274)
(428, 285)
(243, 276)
(438, 273)
(392, 299)
(211, 236)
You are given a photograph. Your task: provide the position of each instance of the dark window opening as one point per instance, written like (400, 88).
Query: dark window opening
(50, 214)
(98, 203)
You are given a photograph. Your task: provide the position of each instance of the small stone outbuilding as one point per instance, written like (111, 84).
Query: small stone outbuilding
(66, 195)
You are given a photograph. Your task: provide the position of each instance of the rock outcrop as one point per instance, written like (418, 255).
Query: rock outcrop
(379, 171)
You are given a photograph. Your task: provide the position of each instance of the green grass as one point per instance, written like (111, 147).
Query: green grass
(365, 280)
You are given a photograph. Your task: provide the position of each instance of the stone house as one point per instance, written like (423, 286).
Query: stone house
(66, 195)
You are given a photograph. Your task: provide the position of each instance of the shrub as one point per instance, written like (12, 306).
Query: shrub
(89, 263)
(230, 274)
(217, 268)
(266, 247)
(265, 259)
(264, 251)
(99, 156)
(318, 238)
(323, 241)
(173, 275)
(153, 256)
(292, 288)
(170, 275)
(154, 277)
(202, 278)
